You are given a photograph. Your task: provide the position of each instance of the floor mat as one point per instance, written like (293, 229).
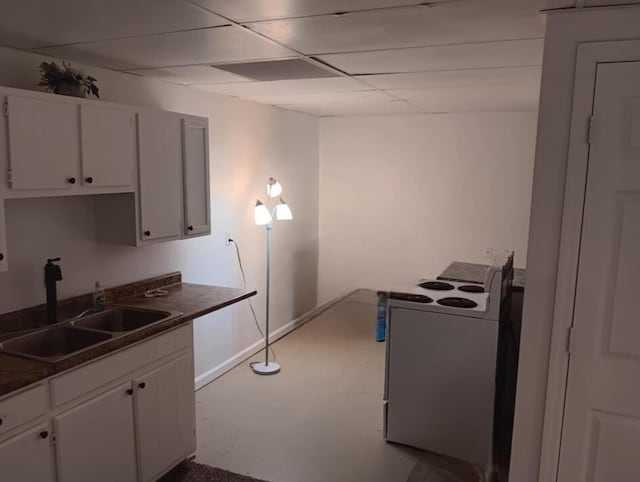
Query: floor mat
(437, 468)
(193, 472)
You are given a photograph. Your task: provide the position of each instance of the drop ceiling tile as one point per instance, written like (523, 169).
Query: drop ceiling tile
(284, 87)
(205, 46)
(560, 4)
(256, 10)
(469, 56)
(30, 24)
(368, 109)
(448, 78)
(555, 4)
(343, 103)
(437, 24)
(191, 74)
(488, 98)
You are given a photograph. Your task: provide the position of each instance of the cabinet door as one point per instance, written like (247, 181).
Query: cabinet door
(44, 143)
(165, 416)
(28, 457)
(160, 175)
(195, 141)
(95, 441)
(3, 239)
(108, 146)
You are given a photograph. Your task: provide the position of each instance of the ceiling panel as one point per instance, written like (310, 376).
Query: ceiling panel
(192, 74)
(37, 23)
(450, 78)
(560, 4)
(353, 103)
(450, 57)
(489, 98)
(282, 87)
(206, 46)
(256, 10)
(437, 24)
(345, 109)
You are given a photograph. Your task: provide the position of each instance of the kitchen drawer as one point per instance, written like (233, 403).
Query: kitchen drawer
(110, 368)
(23, 407)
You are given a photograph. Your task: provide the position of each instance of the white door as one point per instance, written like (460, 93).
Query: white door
(601, 430)
(160, 175)
(44, 143)
(196, 176)
(28, 457)
(95, 441)
(3, 239)
(108, 146)
(165, 416)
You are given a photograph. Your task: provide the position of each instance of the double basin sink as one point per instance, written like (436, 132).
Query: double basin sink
(68, 338)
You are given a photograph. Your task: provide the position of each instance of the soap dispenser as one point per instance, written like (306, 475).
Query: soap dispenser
(99, 297)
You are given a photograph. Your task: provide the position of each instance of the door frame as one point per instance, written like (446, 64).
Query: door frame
(589, 55)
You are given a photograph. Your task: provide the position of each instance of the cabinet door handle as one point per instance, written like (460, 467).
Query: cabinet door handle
(89, 180)
(147, 233)
(190, 228)
(1, 258)
(44, 434)
(1, 420)
(142, 385)
(130, 391)
(71, 180)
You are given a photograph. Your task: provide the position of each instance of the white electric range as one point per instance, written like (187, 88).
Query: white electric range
(442, 340)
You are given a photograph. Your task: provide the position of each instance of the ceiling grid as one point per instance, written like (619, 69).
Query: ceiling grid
(362, 57)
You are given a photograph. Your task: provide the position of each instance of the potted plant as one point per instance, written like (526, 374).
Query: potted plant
(67, 81)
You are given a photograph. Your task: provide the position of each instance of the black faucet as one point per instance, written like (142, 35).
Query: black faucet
(52, 274)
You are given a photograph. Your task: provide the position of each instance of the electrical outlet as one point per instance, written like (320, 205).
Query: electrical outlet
(488, 253)
(227, 238)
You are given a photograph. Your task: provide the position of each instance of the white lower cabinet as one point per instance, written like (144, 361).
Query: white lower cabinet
(96, 441)
(28, 457)
(126, 417)
(166, 395)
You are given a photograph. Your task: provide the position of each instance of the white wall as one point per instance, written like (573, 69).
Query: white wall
(403, 196)
(564, 31)
(249, 142)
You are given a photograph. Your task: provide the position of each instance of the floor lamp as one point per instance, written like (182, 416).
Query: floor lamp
(264, 217)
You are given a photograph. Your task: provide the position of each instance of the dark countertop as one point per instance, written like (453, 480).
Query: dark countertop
(192, 300)
(474, 273)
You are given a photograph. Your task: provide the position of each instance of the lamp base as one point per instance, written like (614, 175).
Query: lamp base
(265, 369)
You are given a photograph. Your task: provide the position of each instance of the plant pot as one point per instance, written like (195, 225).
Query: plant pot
(73, 90)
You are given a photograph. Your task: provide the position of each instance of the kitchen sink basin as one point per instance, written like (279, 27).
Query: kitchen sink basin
(53, 344)
(117, 320)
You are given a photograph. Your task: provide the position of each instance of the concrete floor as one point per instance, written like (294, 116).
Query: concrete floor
(320, 418)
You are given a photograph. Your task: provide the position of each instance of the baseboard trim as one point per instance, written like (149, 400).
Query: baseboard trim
(243, 355)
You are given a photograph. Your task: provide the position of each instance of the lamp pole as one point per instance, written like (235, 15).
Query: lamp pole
(269, 227)
(267, 368)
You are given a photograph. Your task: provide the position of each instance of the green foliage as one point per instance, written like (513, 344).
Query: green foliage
(56, 79)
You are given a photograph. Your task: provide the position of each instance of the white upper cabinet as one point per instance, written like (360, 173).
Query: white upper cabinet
(160, 175)
(44, 143)
(195, 136)
(108, 146)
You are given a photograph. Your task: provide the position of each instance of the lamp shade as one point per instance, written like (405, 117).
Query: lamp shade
(283, 212)
(261, 214)
(274, 188)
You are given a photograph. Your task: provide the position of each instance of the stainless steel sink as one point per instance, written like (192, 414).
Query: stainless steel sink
(118, 320)
(54, 343)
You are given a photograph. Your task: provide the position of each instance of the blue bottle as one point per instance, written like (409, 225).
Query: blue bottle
(381, 321)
